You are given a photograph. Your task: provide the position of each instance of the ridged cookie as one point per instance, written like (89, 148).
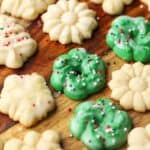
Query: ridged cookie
(48, 140)
(130, 86)
(113, 7)
(139, 138)
(26, 9)
(69, 21)
(26, 98)
(16, 45)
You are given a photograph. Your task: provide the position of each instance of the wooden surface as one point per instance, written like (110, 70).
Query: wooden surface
(42, 62)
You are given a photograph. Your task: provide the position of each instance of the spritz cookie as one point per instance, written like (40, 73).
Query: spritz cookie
(69, 21)
(100, 125)
(26, 98)
(131, 86)
(16, 45)
(48, 140)
(78, 74)
(113, 7)
(139, 138)
(26, 9)
(129, 38)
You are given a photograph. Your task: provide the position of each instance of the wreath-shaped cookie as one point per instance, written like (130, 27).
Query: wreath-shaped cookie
(16, 45)
(130, 38)
(78, 74)
(100, 125)
(139, 138)
(131, 86)
(113, 7)
(26, 9)
(69, 21)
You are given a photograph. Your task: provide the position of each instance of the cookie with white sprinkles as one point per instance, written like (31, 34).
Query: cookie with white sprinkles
(16, 45)
(100, 125)
(78, 74)
(26, 98)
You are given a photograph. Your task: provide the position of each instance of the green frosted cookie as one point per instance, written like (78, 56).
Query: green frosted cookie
(101, 125)
(78, 74)
(130, 38)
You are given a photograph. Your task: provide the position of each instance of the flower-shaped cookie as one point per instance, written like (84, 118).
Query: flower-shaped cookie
(113, 7)
(26, 9)
(16, 45)
(26, 98)
(78, 74)
(139, 138)
(48, 140)
(69, 21)
(100, 125)
(147, 2)
(131, 86)
(129, 38)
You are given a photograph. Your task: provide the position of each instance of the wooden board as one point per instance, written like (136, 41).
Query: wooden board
(42, 62)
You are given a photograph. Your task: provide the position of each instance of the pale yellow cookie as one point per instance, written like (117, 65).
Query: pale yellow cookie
(139, 138)
(113, 7)
(69, 21)
(1, 145)
(48, 140)
(131, 86)
(26, 98)
(26, 9)
(16, 45)
(146, 2)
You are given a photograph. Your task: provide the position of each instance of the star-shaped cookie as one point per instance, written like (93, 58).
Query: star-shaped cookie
(16, 45)
(26, 98)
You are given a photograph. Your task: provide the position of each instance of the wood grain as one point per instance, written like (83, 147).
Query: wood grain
(42, 62)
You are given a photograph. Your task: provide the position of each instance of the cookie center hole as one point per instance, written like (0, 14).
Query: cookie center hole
(78, 72)
(69, 18)
(138, 84)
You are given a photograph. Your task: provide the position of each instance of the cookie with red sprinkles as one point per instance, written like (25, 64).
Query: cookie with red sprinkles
(101, 125)
(26, 98)
(16, 45)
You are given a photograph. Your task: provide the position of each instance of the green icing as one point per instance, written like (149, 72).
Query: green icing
(78, 74)
(130, 38)
(100, 125)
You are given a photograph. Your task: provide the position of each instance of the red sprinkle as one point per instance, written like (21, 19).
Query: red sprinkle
(33, 105)
(121, 31)
(7, 44)
(100, 73)
(108, 127)
(49, 102)
(70, 109)
(20, 55)
(95, 126)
